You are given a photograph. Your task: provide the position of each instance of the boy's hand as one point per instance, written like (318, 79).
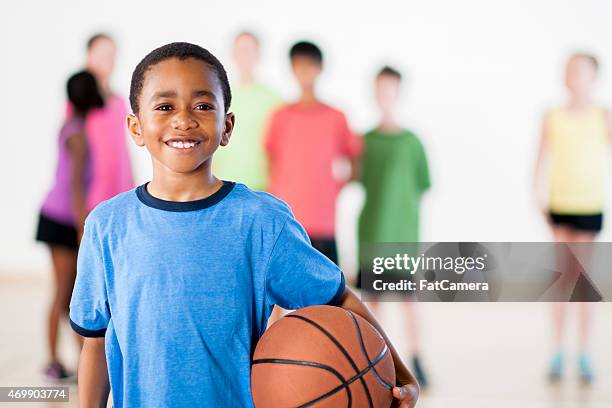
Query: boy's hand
(405, 396)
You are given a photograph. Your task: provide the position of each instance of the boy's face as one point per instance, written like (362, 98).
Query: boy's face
(387, 91)
(306, 70)
(181, 118)
(580, 74)
(246, 53)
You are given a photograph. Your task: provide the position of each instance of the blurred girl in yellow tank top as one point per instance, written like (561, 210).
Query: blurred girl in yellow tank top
(574, 144)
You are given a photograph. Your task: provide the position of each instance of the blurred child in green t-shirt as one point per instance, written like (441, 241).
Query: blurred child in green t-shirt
(243, 159)
(394, 175)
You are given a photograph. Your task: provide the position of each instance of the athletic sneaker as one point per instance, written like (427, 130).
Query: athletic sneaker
(419, 374)
(556, 366)
(585, 368)
(56, 372)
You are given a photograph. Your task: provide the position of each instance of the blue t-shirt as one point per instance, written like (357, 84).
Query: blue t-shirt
(182, 291)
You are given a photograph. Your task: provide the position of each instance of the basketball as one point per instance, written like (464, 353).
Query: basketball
(322, 356)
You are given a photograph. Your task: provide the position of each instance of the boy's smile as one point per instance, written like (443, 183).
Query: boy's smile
(183, 144)
(181, 120)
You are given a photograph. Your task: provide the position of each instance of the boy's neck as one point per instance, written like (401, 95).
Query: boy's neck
(388, 124)
(308, 97)
(181, 187)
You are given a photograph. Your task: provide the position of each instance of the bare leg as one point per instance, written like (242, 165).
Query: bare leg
(559, 312)
(561, 234)
(414, 326)
(586, 315)
(414, 333)
(585, 307)
(584, 360)
(64, 266)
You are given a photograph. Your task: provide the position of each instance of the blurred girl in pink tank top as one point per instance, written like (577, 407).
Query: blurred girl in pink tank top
(105, 171)
(111, 171)
(62, 214)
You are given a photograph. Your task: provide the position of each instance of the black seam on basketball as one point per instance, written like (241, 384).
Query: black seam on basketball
(365, 351)
(349, 381)
(341, 348)
(332, 370)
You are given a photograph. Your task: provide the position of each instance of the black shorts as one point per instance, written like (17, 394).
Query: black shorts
(589, 223)
(327, 246)
(56, 233)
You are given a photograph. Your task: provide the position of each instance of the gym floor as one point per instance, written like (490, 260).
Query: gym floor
(477, 355)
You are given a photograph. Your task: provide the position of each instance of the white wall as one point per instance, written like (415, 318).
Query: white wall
(479, 73)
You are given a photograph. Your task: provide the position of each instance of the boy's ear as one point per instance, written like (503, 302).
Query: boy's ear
(230, 120)
(133, 125)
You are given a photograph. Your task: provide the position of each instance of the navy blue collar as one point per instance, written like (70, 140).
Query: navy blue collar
(181, 206)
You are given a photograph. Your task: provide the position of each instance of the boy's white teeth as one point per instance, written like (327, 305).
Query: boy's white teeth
(182, 145)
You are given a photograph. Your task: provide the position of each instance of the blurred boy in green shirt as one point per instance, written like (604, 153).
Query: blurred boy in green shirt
(244, 159)
(394, 175)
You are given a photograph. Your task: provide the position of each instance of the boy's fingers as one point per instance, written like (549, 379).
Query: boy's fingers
(400, 393)
(405, 396)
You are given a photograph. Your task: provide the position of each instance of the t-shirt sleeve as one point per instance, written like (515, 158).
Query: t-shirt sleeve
(89, 309)
(350, 143)
(298, 275)
(423, 180)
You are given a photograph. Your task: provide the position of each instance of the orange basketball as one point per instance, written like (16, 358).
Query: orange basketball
(322, 356)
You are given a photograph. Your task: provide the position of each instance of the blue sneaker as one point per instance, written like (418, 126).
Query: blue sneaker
(585, 368)
(556, 367)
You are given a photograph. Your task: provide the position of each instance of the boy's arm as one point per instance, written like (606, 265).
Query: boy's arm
(539, 167)
(355, 169)
(77, 146)
(352, 146)
(94, 386)
(407, 390)
(291, 291)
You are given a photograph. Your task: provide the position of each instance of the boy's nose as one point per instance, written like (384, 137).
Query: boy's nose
(183, 120)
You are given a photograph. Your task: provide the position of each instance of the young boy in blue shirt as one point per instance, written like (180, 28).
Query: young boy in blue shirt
(176, 278)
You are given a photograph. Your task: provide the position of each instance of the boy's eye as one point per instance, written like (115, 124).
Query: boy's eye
(164, 108)
(203, 106)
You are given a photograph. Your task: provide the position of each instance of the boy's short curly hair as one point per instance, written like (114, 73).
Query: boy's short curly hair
(182, 51)
(306, 49)
(389, 71)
